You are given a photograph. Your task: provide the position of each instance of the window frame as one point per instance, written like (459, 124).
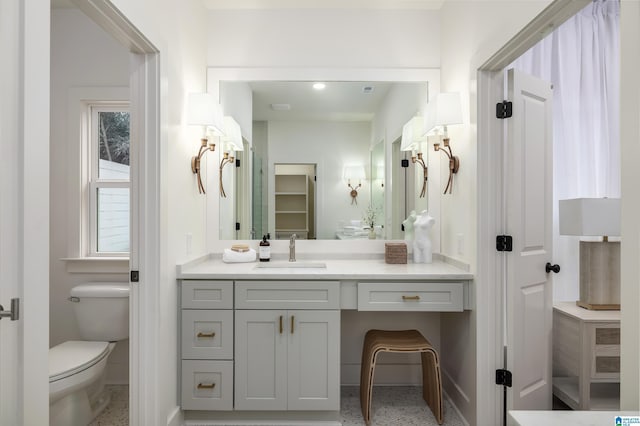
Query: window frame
(94, 182)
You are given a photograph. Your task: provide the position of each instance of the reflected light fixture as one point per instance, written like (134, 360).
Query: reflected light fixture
(203, 110)
(231, 141)
(448, 112)
(412, 139)
(354, 173)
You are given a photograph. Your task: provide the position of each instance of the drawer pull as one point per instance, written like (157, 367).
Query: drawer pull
(281, 327)
(206, 385)
(405, 298)
(292, 319)
(206, 335)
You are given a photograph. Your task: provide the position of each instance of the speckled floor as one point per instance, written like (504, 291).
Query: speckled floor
(117, 412)
(391, 406)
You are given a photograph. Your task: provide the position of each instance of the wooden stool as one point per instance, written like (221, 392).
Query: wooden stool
(376, 341)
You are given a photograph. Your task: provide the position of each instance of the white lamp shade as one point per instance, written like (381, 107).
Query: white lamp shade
(429, 124)
(590, 216)
(204, 110)
(448, 110)
(412, 133)
(233, 134)
(355, 173)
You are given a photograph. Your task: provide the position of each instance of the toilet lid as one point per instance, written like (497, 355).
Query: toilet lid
(71, 357)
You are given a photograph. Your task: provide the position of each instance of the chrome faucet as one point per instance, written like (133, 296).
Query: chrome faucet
(292, 248)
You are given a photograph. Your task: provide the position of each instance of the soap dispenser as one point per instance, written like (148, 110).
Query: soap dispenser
(265, 249)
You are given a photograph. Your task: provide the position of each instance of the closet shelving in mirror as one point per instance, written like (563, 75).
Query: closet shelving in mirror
(292, 205)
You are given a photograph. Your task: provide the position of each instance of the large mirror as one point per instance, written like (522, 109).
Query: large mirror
(321, 161)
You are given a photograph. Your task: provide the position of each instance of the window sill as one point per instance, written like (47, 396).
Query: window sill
(97, 265)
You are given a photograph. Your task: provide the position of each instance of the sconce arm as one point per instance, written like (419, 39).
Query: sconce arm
(197, 159)
(226, 159)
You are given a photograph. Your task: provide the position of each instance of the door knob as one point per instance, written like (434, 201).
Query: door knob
(549, 267)
(14, 313)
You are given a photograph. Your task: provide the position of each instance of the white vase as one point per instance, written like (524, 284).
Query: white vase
(372, 234)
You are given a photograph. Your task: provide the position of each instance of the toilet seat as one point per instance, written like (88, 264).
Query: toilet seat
(72, 357)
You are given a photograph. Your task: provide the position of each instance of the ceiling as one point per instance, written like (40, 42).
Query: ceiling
(323, 4)
(339, 101)
(302, 4)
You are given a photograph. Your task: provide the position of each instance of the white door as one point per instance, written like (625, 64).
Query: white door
(24, 211)
(261, 360)
(528, 183)
(314, 360)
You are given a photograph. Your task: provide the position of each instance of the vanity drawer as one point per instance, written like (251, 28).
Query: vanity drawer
(287, 295)
(207, 334)
(207, 385)
(416, 296)
(205, 294)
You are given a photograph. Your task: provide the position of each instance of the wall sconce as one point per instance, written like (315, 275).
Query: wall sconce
(355, 173)
(448, 112)
(203, 110)
(413, 136)
(231, 141)
(599, 260)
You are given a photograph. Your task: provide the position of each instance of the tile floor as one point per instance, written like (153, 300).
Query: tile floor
(391, 406)
(117, 412)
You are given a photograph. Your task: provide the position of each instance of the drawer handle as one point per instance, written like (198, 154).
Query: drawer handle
(281, 327)
(405, 298)
(206, 385)
(206, 335)
(292, 319)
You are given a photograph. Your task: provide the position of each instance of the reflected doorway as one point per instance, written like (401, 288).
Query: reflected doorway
(295, 200)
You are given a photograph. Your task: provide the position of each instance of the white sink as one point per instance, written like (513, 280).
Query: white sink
(291, 265)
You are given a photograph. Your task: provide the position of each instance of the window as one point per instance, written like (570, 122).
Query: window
(108, 173)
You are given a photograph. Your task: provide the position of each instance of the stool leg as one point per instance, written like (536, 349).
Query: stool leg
(432, 384)
(367, 370)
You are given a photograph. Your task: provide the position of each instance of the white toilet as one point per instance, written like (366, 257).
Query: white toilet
(77, 368)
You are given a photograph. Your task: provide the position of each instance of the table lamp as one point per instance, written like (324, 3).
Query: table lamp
(599, 260)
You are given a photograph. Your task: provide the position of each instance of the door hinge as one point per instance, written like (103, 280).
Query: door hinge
(237, 226)
(504, 243)
(135, 276)
(503, 377)
(504, 109)
(237, 162)
(404, 162)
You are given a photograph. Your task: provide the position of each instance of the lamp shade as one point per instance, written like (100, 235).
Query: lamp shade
(590, 216)
(412, 133)
(448, 110)
(233, 134)
(204, 110)
(354, 172)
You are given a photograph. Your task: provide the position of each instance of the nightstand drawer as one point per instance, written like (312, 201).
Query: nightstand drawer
(605, 358)
(203, 294)
(207, 334)
(419, 296)
(207, 385)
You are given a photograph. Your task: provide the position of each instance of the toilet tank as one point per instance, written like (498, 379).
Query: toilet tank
(102, 311)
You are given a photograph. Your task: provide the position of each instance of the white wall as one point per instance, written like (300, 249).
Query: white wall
(324, 38)
(179, 31)
(82, 55)
(487, 25)
(330, 145)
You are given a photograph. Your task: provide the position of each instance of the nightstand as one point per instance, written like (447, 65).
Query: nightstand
(586, 357)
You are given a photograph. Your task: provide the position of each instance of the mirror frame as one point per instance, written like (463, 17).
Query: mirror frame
(216, 75)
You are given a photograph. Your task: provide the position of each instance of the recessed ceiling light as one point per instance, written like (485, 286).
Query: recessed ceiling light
(319, 86)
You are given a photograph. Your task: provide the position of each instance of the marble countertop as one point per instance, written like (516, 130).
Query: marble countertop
(212, 267)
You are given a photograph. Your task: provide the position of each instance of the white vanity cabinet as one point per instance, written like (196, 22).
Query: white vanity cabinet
(287, 359)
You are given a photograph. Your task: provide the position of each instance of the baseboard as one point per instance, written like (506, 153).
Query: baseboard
(175, 418)
(455, 395)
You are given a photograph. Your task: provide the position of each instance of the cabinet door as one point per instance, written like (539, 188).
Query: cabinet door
(314, 360)
(260, 360)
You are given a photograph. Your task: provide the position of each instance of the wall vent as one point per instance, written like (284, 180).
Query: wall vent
(367, 89)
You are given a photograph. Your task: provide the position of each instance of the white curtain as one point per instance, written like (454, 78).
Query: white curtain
(581, 59)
